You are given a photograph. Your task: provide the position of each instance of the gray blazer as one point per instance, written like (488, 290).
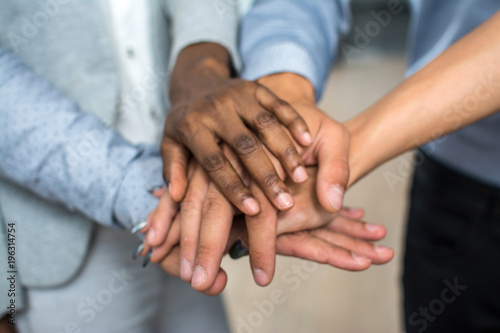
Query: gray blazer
(51, 241)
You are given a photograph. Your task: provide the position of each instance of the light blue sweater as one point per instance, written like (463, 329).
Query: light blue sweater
(474, 150)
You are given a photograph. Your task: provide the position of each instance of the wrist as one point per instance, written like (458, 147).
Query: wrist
(374, 141)
(360, 158)
(198, 67)
(289, 87)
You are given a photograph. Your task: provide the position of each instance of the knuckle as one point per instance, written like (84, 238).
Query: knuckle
(214, 162)
(193, 200)
(291, 157)
(297, 120)
(235, 188)
(270, 180)
(206, 250)
(289, 152)
(188, 126)
(245, 144)
(265, 120)
(213, 206)
(280, 105)
(215, 103)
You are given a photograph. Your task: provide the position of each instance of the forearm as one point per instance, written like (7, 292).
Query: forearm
(197, 68)
(65, 155)
(458, 88)
(200, 21)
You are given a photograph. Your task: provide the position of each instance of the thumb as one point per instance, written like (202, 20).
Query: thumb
(175, 159)
(333, 171)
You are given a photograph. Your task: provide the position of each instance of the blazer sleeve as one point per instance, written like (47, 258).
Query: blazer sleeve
(64, 155)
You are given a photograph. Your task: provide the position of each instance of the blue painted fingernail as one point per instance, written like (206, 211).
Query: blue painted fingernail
(238, 250)
(138, 250)
(147, 258)
(138, 226)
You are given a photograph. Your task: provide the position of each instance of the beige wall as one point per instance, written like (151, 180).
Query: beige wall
(328, 299)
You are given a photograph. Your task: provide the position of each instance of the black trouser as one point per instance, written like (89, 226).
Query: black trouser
(452, 262)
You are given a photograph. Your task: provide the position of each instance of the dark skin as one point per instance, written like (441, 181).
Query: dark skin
(210, 107)
(5, 326)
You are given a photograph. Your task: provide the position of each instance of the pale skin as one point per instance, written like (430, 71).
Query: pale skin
(219, 123)
(203, 244)
(431, 103)
(419, 110)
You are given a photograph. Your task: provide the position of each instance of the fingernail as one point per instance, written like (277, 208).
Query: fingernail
(260, 277)
(199, 276)
(251, 206)
(150, 237)
(382, 249)
(186, 270)
(307, 137)
(335, 196)
(238, 250)
(300, 174)
(360, 259)
(372, 227)
(285, 200)
(147, 258)
(170, 188)
(138, 250)
(138, 226)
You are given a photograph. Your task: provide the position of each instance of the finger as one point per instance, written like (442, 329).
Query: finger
(259, 166)
(170, 264)
(262, 239)
(213, 237)
(358, 229)
(307, 246)
(352, 212)
(211, 158)
(261, 228)
(175, 160)
(218, 285)
(333, 169)
(172, 239)
(377, 253)
(161, 220)
(158, 192)
(285, 114)
(190, 217)
(277, 140)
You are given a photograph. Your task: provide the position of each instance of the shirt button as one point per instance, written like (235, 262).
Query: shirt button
(130, 53)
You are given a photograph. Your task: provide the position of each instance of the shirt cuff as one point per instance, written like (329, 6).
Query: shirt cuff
(284, 56)
(134, 201)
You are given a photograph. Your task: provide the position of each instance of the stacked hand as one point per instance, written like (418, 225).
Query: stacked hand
(215, 119)
(306, 231)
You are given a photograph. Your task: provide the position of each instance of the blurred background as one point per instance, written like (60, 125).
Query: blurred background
(319, 299)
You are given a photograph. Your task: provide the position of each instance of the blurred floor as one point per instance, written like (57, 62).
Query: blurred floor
(324, 299)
